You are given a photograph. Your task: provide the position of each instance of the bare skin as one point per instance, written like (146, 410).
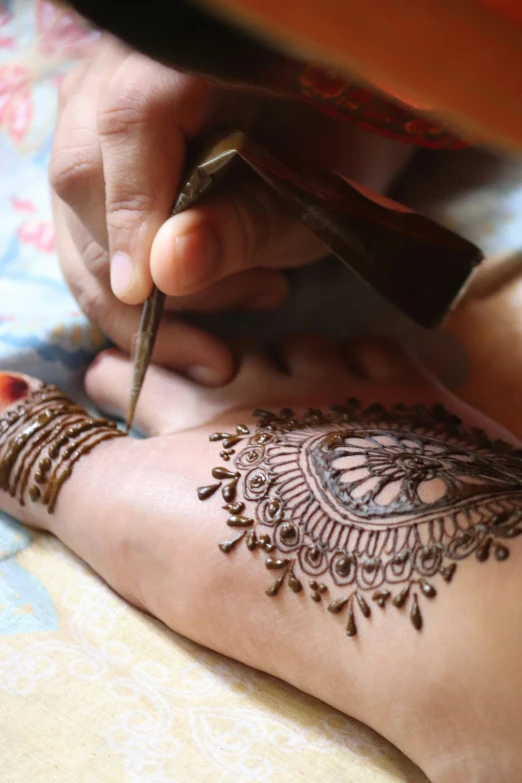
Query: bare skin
(449, 696)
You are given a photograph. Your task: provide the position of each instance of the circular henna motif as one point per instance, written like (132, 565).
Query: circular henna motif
(313, 560)
(343, 566)
(288, 537)
(428, 560)
(256, 484)
(249, 457)
(269, 511)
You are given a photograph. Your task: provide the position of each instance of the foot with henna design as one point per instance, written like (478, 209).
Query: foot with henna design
(335, 518)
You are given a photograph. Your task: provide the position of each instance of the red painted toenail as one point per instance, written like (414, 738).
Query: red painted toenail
(12, 389)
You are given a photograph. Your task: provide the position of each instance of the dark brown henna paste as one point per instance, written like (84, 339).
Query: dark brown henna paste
(42, 439)
(379, 503)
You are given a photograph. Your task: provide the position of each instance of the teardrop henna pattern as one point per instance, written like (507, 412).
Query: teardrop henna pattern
(41, 440)
(377, 503)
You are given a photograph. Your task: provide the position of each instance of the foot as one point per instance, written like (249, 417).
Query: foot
(344, 551)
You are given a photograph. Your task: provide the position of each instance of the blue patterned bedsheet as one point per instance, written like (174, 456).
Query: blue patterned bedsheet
(42, 331)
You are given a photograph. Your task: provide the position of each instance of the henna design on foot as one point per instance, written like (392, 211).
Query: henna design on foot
(377, 503)
(41, 440)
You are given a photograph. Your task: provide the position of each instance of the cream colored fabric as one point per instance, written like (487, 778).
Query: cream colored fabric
(112, 695)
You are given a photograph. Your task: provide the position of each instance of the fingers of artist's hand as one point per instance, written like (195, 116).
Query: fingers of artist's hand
(243, 229)
(179, 346)
(118, 153)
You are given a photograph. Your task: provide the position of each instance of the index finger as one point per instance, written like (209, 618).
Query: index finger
(146, 114)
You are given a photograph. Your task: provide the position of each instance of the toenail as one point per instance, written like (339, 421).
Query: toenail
(208, 376)
(13, 388)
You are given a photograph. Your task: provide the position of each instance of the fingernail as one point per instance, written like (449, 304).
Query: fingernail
(196, 257)
(122, 274)
(205, 375)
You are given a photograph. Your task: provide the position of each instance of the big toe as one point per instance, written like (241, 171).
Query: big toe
(381, 359)
(311, 357)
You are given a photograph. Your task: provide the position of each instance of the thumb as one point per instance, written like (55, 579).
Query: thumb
(247, 228)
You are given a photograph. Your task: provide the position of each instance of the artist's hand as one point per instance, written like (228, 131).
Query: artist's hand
(119, 151)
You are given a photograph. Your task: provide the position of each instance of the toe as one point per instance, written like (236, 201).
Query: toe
(167, 403)
(312, 356)
(257, 376)
(380, 359)
(253, 360)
